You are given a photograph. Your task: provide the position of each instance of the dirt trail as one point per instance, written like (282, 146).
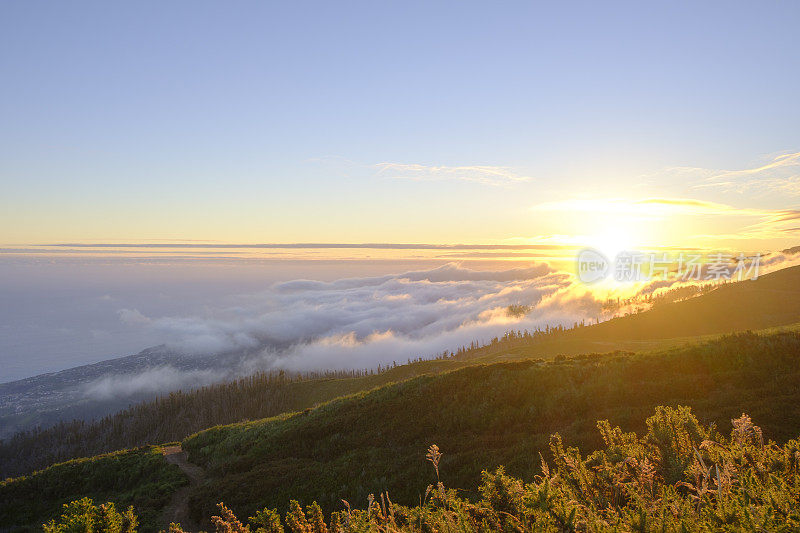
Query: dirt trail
(178, 509)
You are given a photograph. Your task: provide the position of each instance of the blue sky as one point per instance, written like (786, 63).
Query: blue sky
(268, 122)
(607, 124)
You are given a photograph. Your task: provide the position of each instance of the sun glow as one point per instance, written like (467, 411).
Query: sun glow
(613, 239)
(614, 225)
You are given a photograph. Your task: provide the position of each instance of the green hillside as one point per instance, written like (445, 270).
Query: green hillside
(679, 476)
(484, 416)
(141, 478)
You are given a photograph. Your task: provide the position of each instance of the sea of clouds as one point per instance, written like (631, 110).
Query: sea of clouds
(357, 323)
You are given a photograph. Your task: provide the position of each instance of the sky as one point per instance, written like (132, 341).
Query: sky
(397, 122)
(167, 168)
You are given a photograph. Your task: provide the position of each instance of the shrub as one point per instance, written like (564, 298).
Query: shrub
(83, 516)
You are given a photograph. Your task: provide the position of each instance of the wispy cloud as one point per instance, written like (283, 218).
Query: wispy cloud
(655, 207)
(781, 175)
(492, 175)
(744, 222)
(487, 175)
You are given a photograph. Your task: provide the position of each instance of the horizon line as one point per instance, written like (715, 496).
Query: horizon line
(312, 245)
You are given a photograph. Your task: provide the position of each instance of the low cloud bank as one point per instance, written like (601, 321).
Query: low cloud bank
(356, 323)
(305, 325)
(151, 381)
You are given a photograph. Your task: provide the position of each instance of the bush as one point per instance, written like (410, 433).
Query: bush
(83, 516)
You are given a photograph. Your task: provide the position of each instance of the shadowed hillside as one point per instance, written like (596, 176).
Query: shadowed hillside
(770, 301)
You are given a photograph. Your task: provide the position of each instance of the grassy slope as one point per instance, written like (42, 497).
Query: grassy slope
(140, 477)
(486, 415)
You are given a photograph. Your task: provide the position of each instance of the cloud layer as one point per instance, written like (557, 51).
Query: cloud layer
(356, 323)
(363, 322)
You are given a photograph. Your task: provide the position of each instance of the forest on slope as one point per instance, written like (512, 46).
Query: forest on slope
(772, 300)
(481, 416)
